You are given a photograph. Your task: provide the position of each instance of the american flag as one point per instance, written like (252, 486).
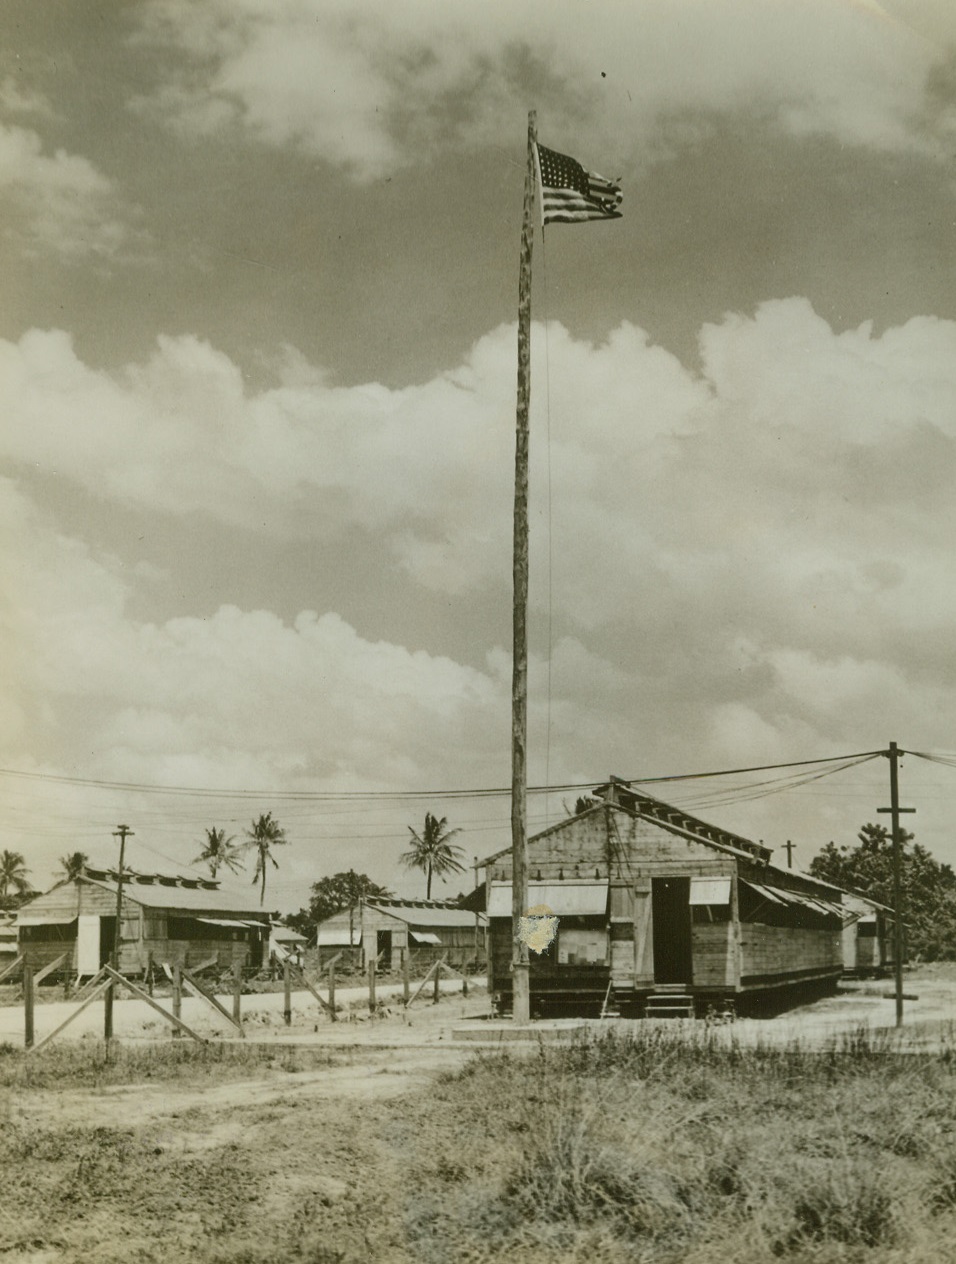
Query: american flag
(571, 195)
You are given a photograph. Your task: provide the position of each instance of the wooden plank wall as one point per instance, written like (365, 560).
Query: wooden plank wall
(781, 950)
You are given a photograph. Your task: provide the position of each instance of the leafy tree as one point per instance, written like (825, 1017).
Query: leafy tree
(432, 852)
(13, 877)
(332, 894)
(219, 851)
(265, 834)
(73, 864)
(928, 888)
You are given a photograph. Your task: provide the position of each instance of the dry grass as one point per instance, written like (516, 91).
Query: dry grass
(86, 1064)
(660, 1149)
(651, 1150)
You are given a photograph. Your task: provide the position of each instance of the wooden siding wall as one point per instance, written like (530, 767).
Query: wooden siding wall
(781, 953)
(713, 954)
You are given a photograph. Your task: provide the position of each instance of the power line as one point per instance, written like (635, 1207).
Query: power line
(406, 795)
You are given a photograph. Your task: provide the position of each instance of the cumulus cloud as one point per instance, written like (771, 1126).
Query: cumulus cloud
(369, 88)
(59, 203)
(725, 539)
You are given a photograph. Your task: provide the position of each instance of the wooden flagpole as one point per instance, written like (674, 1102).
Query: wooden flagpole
(520, 969)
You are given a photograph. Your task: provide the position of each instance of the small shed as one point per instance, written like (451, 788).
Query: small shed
(868, 936)
(178, 919)
(384, 930)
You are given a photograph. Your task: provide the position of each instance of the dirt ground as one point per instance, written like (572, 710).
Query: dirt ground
(298, 1159)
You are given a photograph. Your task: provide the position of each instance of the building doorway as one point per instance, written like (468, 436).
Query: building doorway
(383, 949)
(672, 930)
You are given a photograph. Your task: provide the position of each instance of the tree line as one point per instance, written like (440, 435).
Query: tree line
(431, 851)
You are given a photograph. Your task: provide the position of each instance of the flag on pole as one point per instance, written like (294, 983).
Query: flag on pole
(571, 195)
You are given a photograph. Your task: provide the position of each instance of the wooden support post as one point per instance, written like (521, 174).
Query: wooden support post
(287, 989)
(406, 978)
(177, 999)
(464, 983)
(520, 968)
(437, 996)
(332, 989)
(93, 996)
(28, 1006)
(371, 985)
(49, 968)
(108, 1012)
(178, 1024)
(237, 993)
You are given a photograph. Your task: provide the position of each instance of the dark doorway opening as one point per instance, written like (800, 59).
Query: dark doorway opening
(383, 949)
(107, 939)
(672, 930)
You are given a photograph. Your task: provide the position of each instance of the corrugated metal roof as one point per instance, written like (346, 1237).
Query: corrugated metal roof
(189, 899)
(427, 916)
(567, 899)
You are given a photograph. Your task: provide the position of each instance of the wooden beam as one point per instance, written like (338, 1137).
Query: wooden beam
(321, 999)
(14, 965)
(48, 969)
(116, 977)
(94, 996)
(421, 986)
(198, 990)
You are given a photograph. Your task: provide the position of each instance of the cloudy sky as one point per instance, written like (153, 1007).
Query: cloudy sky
(257, 379)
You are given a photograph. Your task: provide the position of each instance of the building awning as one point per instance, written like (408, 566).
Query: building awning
(778, 896)
(566, 899)
(224, 921)
(336, 937)
(766, 893)
(424, 937)
(710, 890)
(45, 921)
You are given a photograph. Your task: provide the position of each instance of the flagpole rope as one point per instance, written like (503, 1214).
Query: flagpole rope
(547, 405)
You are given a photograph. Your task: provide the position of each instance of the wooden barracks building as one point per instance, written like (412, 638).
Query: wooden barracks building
(183, 921)
(659, 912)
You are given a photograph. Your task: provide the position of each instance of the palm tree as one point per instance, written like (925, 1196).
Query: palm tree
(432, 852)
(218, 851)
(265, 834)
(13, 873)
(73, 864)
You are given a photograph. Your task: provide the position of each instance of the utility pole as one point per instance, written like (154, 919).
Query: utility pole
(122, 832)
(893, 755)
(520, 961)
(789, 846)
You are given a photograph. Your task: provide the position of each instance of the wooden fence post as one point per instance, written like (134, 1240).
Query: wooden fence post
(332, 989)
(371, 986)
(237, 993)
(406, 977)
(464, 980)
(108, 1012)
(177, 998)
(287, 988)
(28, 1006)
(438, 966)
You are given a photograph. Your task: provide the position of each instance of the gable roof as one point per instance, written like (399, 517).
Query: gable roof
(204, 896)
(672, 819)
